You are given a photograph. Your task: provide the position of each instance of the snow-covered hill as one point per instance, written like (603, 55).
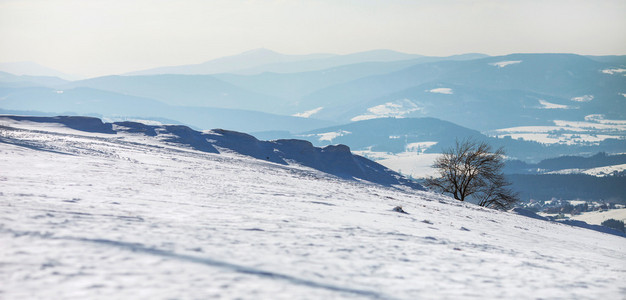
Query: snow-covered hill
(333, 159)
(132, 216)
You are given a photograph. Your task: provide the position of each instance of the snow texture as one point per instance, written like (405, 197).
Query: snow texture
(594, 129)
(309, 113)
(548, 105)
(333, 159)
(584, 98)
(614, 71)
(416, 165)
(328, 136)
(395, 109)
(598, 171)
(597, 217)
(502, 64)
(447, 91)
(134, 215)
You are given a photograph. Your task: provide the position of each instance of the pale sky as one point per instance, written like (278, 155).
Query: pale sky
(99, 37)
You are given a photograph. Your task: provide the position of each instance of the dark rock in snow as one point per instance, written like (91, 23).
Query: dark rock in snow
(188, 136)
(399, 209)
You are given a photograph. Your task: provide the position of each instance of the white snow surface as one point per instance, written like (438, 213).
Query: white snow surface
(594, 129)
(502, 64)
(330, 136)
(597, 217)
(327, 136)
(394, 109)
(309, 113)
(549, 105)
(584, 98)
(84, 216)
(565, 138)
(411, 164)
(598, 171)
(447, 91)
(614, 71)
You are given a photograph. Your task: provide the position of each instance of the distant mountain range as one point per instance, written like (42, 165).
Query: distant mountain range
(531, 89)
(8, 80)
(185, 90)
(484, 93)
(34, 69)
(309, 94)
(263, 60)
(99, 103)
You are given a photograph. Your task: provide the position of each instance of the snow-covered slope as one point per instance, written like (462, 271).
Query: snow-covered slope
(131, 216)
(332, 159)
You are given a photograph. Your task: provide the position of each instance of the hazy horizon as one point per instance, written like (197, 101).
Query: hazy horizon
(93, 38)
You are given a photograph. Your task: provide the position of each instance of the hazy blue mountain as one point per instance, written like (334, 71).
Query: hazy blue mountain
(87, 101)
(340, 60)
(11, 80)
(234, 63)
(186, 90)
(268, 92)
(478, 108)
(484, 93)
(295, 85)
(34, 69)
(618, 60)
(76, 101)
(574, 186)
(600, 159)
(567, 79)
(263, 60)
(381, 55)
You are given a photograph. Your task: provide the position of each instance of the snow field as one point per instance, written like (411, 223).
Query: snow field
(85, 216)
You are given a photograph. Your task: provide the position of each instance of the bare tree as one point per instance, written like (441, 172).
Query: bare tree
(471, 170)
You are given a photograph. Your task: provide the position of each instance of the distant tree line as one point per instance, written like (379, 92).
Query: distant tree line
(615, 224)
(571, 187)
(600, 159)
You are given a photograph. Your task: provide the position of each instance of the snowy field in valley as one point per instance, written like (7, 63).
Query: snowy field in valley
(126, 216)
(593, 130)
(597, 217)
(598, 171)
